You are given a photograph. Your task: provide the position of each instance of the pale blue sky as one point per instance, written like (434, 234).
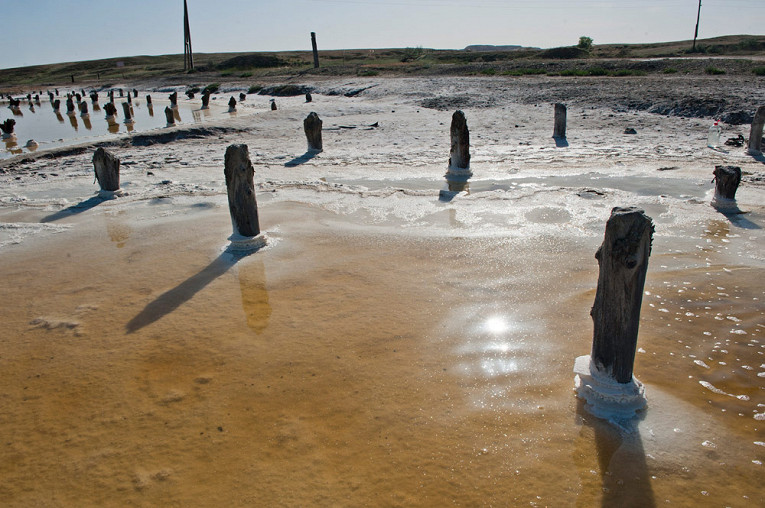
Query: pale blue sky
(48, 31)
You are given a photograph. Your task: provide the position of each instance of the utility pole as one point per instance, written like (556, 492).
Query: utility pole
(315, 51)
(696, 34)
(188, 58)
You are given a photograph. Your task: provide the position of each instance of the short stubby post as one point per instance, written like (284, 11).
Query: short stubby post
(231, 105)
(206, 100)
(126, 112)
(755, 133)
(242, 205)
(312, 126)
(170, 116)
(560, 121)
(174, 100)
(107, 168)
(726, 181)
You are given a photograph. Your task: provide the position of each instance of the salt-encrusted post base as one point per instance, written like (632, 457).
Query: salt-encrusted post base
(243, 244)
(604, 397)
(727, 179)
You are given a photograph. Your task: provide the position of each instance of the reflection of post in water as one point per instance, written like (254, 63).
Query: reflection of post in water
(86, 121)
(456, 186)
(252, 282)
(118, 232)
(12, 145)
(73, 121)
(621, 461)
(176, 114)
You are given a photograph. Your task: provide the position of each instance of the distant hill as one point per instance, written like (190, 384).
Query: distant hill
(489, 47)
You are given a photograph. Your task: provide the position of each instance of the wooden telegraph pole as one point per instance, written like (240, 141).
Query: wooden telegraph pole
(188, 58)
(696, 34)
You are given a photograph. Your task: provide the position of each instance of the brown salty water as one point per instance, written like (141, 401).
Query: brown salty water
(349, 364)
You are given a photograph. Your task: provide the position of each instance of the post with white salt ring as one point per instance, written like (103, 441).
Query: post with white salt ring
(242, 205)
(107, 168)
(755, 133)
(726, 181)
(459, 155)
(170, 115)
(604, 378)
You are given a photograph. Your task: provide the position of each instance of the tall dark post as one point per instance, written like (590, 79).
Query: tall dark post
(315, 51)
(755, 133)
(312, 127)
(459, 156)
(623, 261)
(696, 33)
(188, 58)
(241, 191)
(559, 130)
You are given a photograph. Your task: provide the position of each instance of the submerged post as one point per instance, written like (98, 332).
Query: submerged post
(7, 128)
(148, 99)
(273, 105)
(107, 167)
(315, 51)
(69, 106)
(170, 116)
(560, 121)
(83, 108)
(174, 100)
(231, 105)
(241, 191)
(111, 110)
(459, 156)
(755, 133)
(308, 97)
(726, 181)
(604, 379)
(312, 126)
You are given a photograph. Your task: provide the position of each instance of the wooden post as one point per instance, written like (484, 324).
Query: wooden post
(755, 133)
(107, 168)
(126, 111)
(83, 108)
(122, 92)
(726, 181)
(69, 106)
(242, 97)
(111, 96)
(315, 51)
(93, 97)
(56, 105)
(135, 93)
(273, 105)
(148, 99)
(308, 97)
(241, 191)
(110, 110)
(459, 156)
(188, 56)
(312, 127)
(129, 99)
(206, 100)
(623, 261)
(560, 121)
(170, 116)
(231, 105)
(7, 128)
(174, 100)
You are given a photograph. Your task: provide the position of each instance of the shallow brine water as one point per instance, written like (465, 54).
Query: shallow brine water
(52, 129)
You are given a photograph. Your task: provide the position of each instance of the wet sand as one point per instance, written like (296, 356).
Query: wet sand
(389, 347)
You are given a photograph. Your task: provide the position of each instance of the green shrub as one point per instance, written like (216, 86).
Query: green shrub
(245, 75)
(253, 61)
(211, 88)
(254, 89)
(585, 43)
(368, 73)
(759, 71)
(523, 72)
(714, 70)
(489, 72)
(669, 70)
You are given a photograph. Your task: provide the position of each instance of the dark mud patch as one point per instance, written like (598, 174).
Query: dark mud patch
(445, 103)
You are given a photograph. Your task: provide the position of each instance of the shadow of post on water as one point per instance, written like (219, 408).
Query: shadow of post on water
(170, 300)
(625, 479)
(74, 209)
(297, 161)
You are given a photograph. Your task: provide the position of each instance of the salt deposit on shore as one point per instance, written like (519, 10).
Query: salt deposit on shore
(391, 346)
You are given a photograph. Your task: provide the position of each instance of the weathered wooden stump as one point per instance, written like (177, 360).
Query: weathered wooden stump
(148, 99)
(111, 96)
(126, 112)
(135, 93)
(727, 179)
(755, 133)
(273, 105)
(174, 100)
(312, 126)
(232, 104)
(93, 97)
(56, 105)
(206, 100)
(7, 127)
(308, 97)
(110, 110)
(84, 108)
(51, 97)
(242, 96)
(170, 116)
(77, 96)
(459, 156)
(623, 261)
(190, 94)
(69, 106)
(107, 167)
(129, 99)
(122, 92)
(560, 121)
(241, 191)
